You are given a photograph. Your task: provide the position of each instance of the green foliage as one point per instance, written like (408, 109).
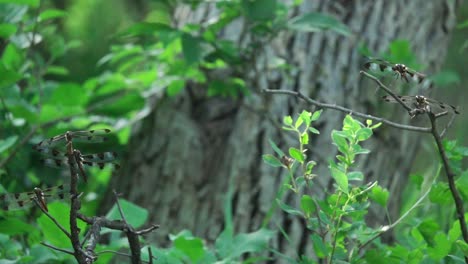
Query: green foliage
(339, 214)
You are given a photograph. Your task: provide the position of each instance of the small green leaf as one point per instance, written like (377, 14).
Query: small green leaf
(351, 125)
(340, 141)
(298, 123)
(32, 3)
(272, 160)
(316, 22)
(7, 143)
(296, 154)
(363, 134)
(135, 215)
(340, 178)
(6, 30)
(188, 244)
(288, 209)
(313, 130)
(287, 120)
(307, 205)
(175, 87)
(306, 117)
(355, 176)
(440, 194)
(305, 139)
(463, 246)
(275, 148)
(51, 13)
(379, 195)
(316, 115)
(310, 165)
(320, 249)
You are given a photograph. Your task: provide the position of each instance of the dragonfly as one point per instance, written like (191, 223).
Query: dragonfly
(422, 103)
(85, 136)
(57, 159)
(401, 71)
(18, 201)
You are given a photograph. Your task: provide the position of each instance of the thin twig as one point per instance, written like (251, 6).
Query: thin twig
(349, 111)
(58, 249)
(53, 219)
(386, 89)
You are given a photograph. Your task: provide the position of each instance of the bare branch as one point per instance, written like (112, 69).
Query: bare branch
(386, 89)
(53, 219)
(451, 180)
(349, 111)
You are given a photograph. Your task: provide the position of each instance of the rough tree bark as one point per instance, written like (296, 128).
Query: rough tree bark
(186, 152)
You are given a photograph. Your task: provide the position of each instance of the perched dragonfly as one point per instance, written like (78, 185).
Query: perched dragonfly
(57, 159)
(86, 136)
(400, 70)
(423, 103)
(16, 201)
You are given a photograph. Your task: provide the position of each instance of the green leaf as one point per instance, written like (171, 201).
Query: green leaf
(7, 143)
(53, 234)
(463, 246)
(7, 30)
(440, 194)
(320, 249)
(259, 10)
(192, 48)
(307, 205)
(242, 243)
(12, 57)
(306, 117)
(57, 70)
(363, 134)
(340, 178)
(135, 215)
(355, 176)
(351, 125)
(32, 3)
(272, 160)
(379, 195)
(313, 130)
(298, 123)
(316, 22)
(305, 139)
(14, 226)
(288, 209)
(145, 28)
(51, 13)
(296, 154)
(340, 141)
(175, 87)
(68, 94)
(275, 148)
(441, 247)
(287, 120)
(191, 246)
(316, 115)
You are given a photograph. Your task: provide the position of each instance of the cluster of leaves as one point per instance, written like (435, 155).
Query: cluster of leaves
(336, 222)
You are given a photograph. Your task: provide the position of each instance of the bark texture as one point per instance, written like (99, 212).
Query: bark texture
(189, 149)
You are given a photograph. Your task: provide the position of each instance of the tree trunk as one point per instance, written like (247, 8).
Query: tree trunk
(189, 149)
